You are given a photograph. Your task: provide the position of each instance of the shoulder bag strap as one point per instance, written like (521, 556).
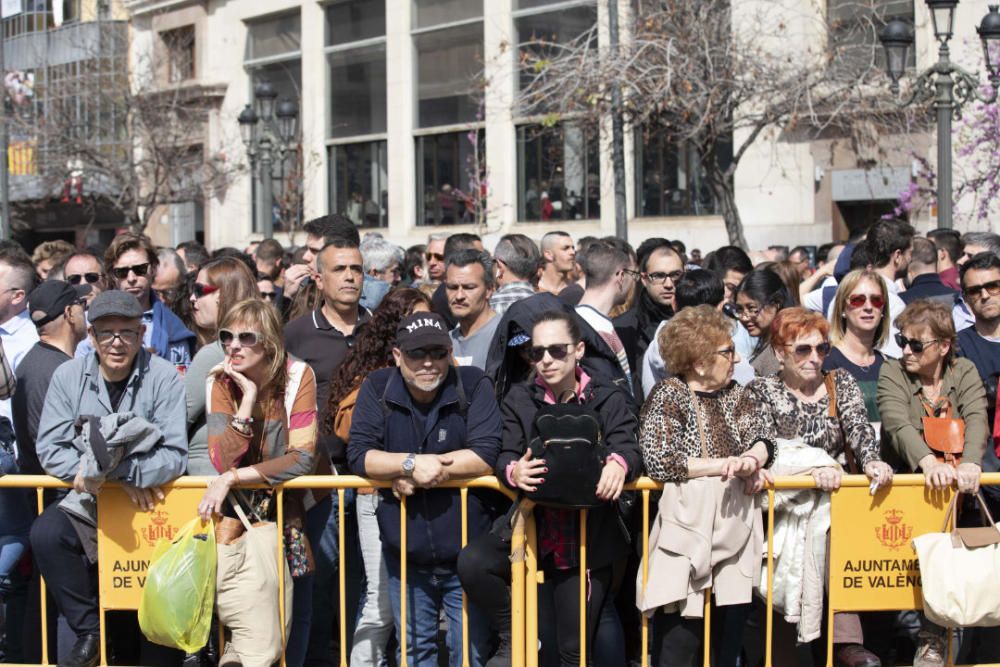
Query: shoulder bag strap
(696, 405)
(831, 389)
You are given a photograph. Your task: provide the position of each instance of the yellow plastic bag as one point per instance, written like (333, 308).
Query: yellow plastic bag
(177, 600)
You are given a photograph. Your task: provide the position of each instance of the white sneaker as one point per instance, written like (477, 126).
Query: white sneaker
(930, 650)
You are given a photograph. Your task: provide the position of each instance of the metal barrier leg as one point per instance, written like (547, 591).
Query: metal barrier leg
(533, 577)
(403, 630)
(517, 592)
(768, 642)
(644, 650)
(40, 498)
(281, 571)
(464, 497)
(707, 632)
(341, 536)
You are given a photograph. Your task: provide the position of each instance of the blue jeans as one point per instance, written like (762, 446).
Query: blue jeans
(326, 581)
(426, 594)
(302, 591)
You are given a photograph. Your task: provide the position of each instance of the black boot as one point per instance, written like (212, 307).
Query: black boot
(502, 656)
(86, 652)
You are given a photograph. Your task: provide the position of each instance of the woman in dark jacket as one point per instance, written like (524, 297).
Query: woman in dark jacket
(556, 349)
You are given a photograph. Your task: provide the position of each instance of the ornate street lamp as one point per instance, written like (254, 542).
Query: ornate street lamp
(266, 132)
(944, 82)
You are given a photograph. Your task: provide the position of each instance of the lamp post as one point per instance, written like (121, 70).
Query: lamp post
(266, 131)
(946, 83)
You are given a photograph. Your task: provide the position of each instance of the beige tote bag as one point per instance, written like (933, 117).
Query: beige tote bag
(247, 593)
(960, 573)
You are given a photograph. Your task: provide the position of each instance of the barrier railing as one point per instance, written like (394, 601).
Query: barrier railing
(921, 512)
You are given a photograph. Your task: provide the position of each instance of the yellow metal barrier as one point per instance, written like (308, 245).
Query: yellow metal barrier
(525, 573)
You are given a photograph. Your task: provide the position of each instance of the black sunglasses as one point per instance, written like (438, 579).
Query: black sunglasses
(559, 351)
(421, 353)
(804, 351)
(91, 278)
(992, 288)
(268, 296)
(246, 338)
(121, 272)
(917, 346)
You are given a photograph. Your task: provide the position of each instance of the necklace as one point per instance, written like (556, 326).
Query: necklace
(854, 360)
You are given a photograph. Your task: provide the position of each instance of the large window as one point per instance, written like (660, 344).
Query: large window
(273, 53)
(670, 177)
(854, 25)
(451, 177)
(358, 187)
(449, 47)
(178, 46)
(558, 173)
(543, 33)
(355, 52)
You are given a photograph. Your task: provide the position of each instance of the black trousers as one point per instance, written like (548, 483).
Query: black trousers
(69, 575)
(678, 640)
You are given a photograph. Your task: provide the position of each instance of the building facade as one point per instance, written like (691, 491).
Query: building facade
(408, 126)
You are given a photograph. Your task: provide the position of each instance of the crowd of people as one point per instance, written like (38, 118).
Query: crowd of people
(136, 365)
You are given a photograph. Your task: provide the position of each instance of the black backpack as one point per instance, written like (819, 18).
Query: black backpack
(569, 437)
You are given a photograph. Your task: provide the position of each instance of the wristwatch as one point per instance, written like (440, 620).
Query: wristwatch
(409, 463)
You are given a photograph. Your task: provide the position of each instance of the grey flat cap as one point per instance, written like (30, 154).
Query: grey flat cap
(114, 303)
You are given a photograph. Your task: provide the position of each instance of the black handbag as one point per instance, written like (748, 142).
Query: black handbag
(569, 437)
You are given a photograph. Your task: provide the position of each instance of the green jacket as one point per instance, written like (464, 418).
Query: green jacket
(902, 412)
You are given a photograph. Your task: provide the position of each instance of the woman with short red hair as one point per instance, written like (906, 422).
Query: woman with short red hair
(796, 403)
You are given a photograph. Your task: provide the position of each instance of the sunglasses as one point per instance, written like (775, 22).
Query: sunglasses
(268, 296)
(434, 256)
(992, 288)
(121, 272)
(805, 351)
(201, 289)
(858, 301)
(246, 338)
(559, 351)
(91, 278)
(916, 346)
(421, 353)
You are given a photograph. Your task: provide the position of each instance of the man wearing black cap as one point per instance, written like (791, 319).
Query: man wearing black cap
(57, 310)
(149, 439)
(419, 425)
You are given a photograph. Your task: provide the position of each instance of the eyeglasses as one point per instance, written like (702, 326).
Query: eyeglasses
(91, 278)
(805, 351)
(121, 272)
(200, 289)
(727, 353)
(661, 276)
(127, 336)
(634, 275)
(268, 296)
(858, 301)
(421, 353)
(917, 346)
(434, 256)
(246, 338)
(746, 312)
(559, 351)
(991, 288)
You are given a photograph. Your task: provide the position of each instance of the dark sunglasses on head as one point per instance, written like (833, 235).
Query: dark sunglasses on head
(805, 351)
(858, 301)
(246, 338)
(559, 351)
(91, 278)
(121, 272)
(201, 289)
(992, 288)
(916, 346)
(434, 255)
(421, 353)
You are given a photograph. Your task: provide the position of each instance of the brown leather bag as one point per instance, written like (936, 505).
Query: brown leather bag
(945, 435)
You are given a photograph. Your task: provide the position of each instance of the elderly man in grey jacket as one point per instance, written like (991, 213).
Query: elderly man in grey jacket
(117, 414)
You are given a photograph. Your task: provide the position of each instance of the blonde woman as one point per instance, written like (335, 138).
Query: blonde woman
(859, 326)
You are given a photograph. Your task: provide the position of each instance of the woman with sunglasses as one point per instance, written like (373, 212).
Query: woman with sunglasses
(858, 328)
(372, 350)
(757, 300)
(219, 285)
(931, 381)
(555, 352)
(796, 405)
(703, 437)
(262, 428)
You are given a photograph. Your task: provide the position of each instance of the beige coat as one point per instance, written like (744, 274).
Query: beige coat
(707, 533)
